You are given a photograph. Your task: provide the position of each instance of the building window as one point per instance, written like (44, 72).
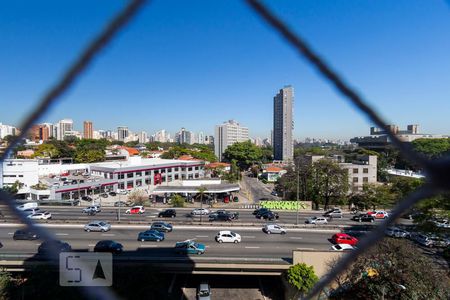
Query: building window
(130, 175)
(183, 176)
(197, 175)
(176, 169)
(138, 174)
(355, 179)
(163, 171)
(365, 179)
(196, 168)
(147, 173)
(176, 176)
(190, 169)
(366, 170)
(148, 181)
(183, 169)
(121, 176)
(138, 182)
(355, 171)
(130, 184)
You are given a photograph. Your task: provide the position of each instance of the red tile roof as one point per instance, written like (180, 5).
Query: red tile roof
(218, 165)
(273, 169)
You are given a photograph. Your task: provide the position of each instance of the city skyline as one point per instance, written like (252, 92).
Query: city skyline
(204, 78)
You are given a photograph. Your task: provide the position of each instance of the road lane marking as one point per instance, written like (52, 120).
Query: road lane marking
(10, 232)
(248, 236)
(108, 234)
(62, 234)
(148, 246)
(305, 249)
(91, 245)
(202, 236)
(249, 247)
(296, 237)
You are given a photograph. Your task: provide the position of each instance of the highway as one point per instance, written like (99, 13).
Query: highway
(255, 243)
(110, 214)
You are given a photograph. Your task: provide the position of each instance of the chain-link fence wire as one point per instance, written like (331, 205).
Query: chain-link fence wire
(437, 171)
(54, 94)
(438, 178)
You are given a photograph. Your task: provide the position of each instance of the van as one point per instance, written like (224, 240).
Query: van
(27, 205)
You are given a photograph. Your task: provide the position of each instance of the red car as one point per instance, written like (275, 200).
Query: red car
(135, 210)
(343, 238)
(379, 214)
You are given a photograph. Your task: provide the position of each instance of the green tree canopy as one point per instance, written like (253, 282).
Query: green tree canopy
(432, 147)
(245, 154)
(301, 277)
(89, 151)
(392, 269)
(47, 150)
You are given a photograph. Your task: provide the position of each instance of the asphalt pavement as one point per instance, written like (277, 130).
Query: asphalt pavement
(255, 243)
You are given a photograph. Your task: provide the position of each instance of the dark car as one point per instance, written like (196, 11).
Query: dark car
(74, 181)
(260, 210)
(270, 215)
(113, 194)
(220, 217)
(86, 198)
(161, 226)
(150, 235)
(363, 218)
(108, 246)
(167, 213)
(104, 195)
(25, 235)
(55, 245)
(121, 203)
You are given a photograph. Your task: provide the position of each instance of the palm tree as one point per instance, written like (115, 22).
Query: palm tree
(200, 192)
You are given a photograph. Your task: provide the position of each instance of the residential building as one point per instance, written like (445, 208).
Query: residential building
(88, 131)
(161, 136)
(7, 130)
(227, 134)
(201, 138)
(122, 133)
(63, 127)
(183, 136)
(283, 124)
(143, 137)
(39, 132)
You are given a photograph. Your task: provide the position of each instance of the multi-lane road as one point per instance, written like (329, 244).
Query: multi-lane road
(255, 243)
(110, 214)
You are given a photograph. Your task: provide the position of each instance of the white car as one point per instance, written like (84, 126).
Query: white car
(40, 216)
(122, 192)
(200, 211)
(316, 220)
(227, 236)
(342, 247)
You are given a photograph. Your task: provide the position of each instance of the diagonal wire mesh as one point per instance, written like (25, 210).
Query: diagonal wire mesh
(437, 171)
(63, 84)
(438, 174)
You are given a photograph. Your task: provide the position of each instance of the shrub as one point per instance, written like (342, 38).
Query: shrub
(177, 201)
(301, 277)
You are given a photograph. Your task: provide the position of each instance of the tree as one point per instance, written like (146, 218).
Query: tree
(139, 197)
(432, 148)
(245, 154)
(329, 181)
(47, 150)
(200, 192)
(177, 201)
(302, 278)
(373, 196)
(234, 174)
(392, 269)
(14, 188)
(89, 151)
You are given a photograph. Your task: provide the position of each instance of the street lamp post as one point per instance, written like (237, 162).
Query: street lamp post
(298, 189)
(118, 184)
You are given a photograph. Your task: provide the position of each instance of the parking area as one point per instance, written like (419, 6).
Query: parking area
(237, 287)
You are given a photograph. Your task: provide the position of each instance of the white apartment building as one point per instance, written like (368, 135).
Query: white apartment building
(63, 126)
(7, 130)
(227, 134)
(122, 133)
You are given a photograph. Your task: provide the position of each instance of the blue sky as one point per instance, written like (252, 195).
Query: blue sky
(195, 64)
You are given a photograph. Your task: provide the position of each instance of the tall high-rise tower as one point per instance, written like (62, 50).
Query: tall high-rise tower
(64, 126)
(88, 131)
(122, 133)
(283, 124)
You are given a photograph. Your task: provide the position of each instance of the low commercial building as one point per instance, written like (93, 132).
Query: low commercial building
(361, 171)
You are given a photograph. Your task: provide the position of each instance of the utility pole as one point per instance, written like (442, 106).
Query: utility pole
(298, 189)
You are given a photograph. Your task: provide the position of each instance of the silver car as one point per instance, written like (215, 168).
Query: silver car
(204, 291)
(97, 226)
(274, 228)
